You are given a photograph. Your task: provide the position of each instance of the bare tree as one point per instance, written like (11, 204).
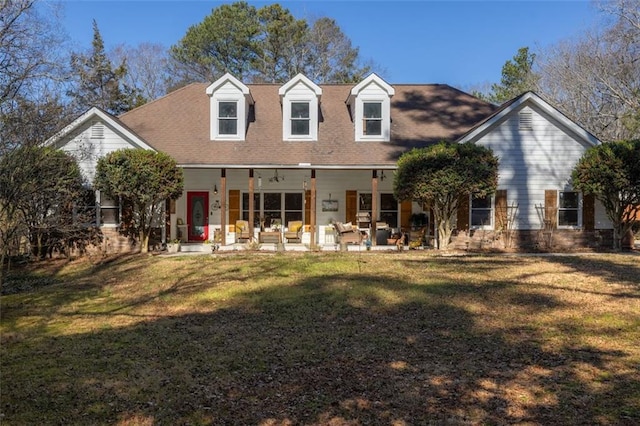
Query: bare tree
(596, 78)
(147, 68)
(30, 68)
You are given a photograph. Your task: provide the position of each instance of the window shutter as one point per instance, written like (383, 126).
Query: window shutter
(589, 212)
(501, 209)
(351, 206)
(551, 207)
(234, 206)
(463, 213)
(405, 215)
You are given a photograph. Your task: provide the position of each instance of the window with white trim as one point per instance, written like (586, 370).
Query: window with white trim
(300, 99)
(300, 119)
(569, 213)
(370, 105)
(481, 212)
(230, 104)
(228, 118)
(372, 118)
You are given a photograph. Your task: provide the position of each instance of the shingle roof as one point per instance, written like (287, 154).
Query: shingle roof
(178, 124)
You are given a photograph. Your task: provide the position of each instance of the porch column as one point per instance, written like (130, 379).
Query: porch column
(374, 206)
(312, 221)
(251, 206)
(223, 205)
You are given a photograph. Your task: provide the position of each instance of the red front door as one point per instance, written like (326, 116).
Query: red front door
(198, 216)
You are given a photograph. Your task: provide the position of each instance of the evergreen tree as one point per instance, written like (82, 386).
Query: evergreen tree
(266, 45)
(517, 77)
(98, 83)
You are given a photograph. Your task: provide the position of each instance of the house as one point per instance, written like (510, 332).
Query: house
(275, 154)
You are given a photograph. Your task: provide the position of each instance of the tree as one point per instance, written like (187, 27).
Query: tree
(40, 188)
(147, 68)
(98, 83)
(266, 45)
(595, 79)
(611, 172)
(517, 77)
(330, 57)
(283, 40)
(440, 174)
(225, 41)
(143, 179)
(29, 68)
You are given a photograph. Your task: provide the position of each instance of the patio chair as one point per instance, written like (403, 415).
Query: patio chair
(348, 234)
(293, 234)
(242, 231)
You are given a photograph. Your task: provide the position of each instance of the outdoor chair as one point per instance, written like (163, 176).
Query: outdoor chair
(242, 231)
(293, 234)
(363, 219)
(348, 234)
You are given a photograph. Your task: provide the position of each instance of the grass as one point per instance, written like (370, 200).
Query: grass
(326, 339)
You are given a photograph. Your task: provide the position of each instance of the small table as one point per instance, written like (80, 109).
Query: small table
(270, 237)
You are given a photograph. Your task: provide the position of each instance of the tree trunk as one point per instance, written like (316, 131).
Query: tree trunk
(144, 241)
(2, 270)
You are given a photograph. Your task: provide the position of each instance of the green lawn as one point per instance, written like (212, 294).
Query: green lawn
(329, 339)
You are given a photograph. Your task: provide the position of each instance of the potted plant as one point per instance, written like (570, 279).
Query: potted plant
(173, 246)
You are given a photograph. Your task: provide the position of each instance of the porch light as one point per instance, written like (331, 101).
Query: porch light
(215, 189)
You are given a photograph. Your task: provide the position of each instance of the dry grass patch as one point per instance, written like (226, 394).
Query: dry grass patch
(342, 338)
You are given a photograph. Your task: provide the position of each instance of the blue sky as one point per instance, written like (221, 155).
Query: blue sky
(461, 43)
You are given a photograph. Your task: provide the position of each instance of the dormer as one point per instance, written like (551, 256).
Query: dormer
(229, 108)
(300, 98)
(370, 104)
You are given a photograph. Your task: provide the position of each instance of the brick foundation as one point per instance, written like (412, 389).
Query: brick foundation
(534, 240)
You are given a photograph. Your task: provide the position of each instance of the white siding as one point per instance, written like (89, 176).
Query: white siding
(88, 150)
(532, 161)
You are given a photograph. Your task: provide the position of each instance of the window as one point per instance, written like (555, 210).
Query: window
(388, 207)
(370, 105)
(389, 210)
(285, 207)
(482, 212)
(229, 108)
(568, 209)
(372, 118)
(227, 118)
(300, 98)
(300, 118)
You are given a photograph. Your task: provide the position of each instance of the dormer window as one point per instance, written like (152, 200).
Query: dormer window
(300, 99)
(300, 119)
(370, 103)
(230, 102)
(372, 121)
(228, 118)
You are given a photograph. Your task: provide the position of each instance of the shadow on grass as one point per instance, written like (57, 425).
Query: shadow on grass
(345, 348)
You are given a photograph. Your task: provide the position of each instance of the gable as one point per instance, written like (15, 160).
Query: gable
(93, 135)
(531, 100)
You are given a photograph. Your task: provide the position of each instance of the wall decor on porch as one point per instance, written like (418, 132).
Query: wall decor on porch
(329, 205)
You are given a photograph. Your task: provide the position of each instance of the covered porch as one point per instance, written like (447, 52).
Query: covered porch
(233, 207)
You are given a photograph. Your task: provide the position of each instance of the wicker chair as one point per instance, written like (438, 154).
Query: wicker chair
(242, 231)
(293, 234)
(348, 234)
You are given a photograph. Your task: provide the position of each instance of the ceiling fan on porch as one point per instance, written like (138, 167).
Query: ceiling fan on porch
(276, 177)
